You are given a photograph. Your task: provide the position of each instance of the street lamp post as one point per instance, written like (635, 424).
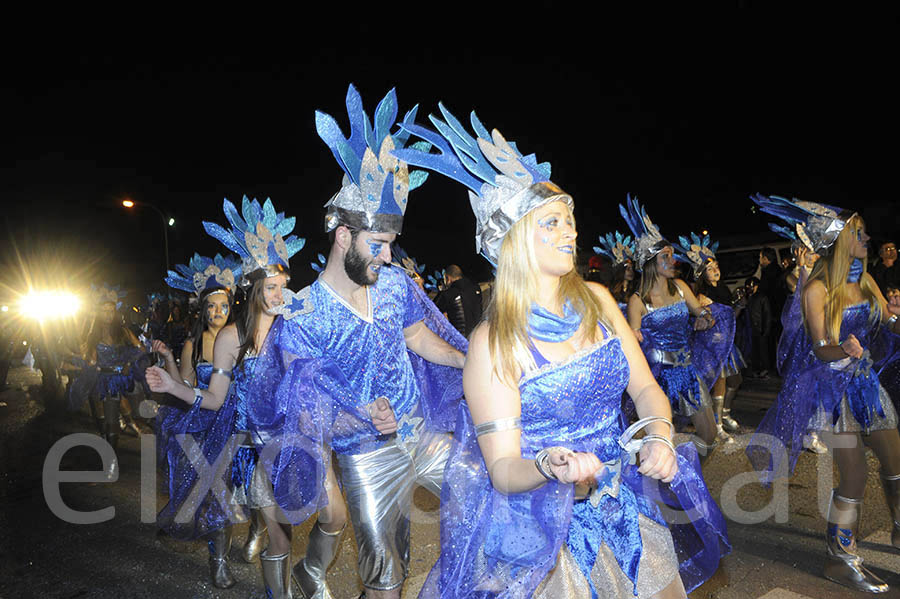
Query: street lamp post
(166, 222)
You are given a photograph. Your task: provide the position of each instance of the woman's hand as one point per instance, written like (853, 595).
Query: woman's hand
(702, 323)
(162, 349)
(658, 461)
(573, 466)
(383, 416)
(893, 305)
(852, 347)
(159, 380)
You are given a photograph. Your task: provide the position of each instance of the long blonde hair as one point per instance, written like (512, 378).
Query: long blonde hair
(833, 270)
(516, 288)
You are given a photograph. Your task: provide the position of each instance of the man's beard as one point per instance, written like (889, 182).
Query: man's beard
(357, 267)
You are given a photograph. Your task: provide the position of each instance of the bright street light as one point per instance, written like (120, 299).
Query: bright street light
(43, 305)
(171, 222)
(128, 203)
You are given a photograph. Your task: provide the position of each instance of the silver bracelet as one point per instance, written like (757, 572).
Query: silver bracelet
(198, 396)
(661, 439)
(541, 457)
(820, 343)
(892, 320)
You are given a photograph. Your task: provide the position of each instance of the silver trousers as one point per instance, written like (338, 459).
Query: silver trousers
(379, 489)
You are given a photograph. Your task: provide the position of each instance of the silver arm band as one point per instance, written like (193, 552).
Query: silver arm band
(501, 424)
(222, 371)
(198, 396)
(820, 343)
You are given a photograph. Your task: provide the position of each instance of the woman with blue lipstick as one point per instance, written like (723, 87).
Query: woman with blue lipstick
(832, 380)
(659, 313)
(184, 517)
(539, 496)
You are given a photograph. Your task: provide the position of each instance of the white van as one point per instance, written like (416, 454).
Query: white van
(738, 263)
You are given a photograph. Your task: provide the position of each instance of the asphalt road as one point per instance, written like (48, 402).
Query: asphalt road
(779, 557)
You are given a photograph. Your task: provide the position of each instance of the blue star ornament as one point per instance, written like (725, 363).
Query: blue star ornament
(295, 304)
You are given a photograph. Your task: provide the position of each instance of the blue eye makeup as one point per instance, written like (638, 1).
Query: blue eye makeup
(375, 247)
(548, 223)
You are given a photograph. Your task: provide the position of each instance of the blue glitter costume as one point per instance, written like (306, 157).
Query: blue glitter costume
(667, 334)
(496, 545)
(116, 370)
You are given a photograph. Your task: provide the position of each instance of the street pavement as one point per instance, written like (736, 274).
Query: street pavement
(780, 557)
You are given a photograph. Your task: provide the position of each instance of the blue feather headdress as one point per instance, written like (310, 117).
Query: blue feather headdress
(406, 262)
(817, 226)
(107, 294)
(503, 184)
(697, 250)
(258, 238)
(648, 241)
(376, 185)
(203, 273)
(616, 247)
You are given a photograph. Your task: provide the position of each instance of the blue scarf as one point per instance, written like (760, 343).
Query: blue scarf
(856, 268)
(546, 326)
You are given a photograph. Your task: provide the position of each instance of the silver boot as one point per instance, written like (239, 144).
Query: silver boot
(728, 423)
(891, 486)
(721, 436)
(276, 571)
(255, 536)
(310, 572)
(219, 543)
(842, 564)
(703, 449)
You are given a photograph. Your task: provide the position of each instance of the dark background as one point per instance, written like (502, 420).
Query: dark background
(690, 112)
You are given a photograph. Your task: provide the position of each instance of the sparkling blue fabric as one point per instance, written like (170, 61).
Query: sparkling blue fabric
(712, 349)
(811, 386)
(116, 370)
(544, 325)
(669, 329)
(199, 496)
(319, 371)
(496, 545)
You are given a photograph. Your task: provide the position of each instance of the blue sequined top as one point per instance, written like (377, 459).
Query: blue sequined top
(241, 377)
(204, 373)
(667, 328)
(370, 350)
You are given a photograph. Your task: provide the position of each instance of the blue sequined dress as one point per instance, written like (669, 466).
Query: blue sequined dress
(841, 396)
(497, 545)
(713, 353)
(114, 374)
(667, 336)
(203, 499)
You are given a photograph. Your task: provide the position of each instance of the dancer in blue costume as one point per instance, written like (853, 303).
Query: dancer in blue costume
(831, 372)
(620, 252)
(366, 365)
(659, 313)
(539, 498)
(108, 367)
(257, 235)
(188, 514)
(713, 351)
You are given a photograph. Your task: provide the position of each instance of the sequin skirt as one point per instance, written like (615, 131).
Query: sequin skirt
(734, 363)
(847, 423)
(657, 569)
(252, 486)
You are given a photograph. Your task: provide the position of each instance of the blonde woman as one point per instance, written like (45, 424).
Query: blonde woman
(538, 498)
(842, 311)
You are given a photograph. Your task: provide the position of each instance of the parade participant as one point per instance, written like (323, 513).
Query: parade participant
(832, 371)
(713, 351)
(659, 313)
(257, 236)
(365, 373)
(108, 368)
(620, 251)
(186, 516)
(543, 382)
(460, 301)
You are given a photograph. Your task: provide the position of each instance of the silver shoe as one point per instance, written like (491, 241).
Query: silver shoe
(812, 443)
(728, 423)
(276, 571)
(255, 536)
(842, 564)
(310, 572)
(219, 543)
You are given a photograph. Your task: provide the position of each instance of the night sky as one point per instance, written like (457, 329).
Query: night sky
(691, 116)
